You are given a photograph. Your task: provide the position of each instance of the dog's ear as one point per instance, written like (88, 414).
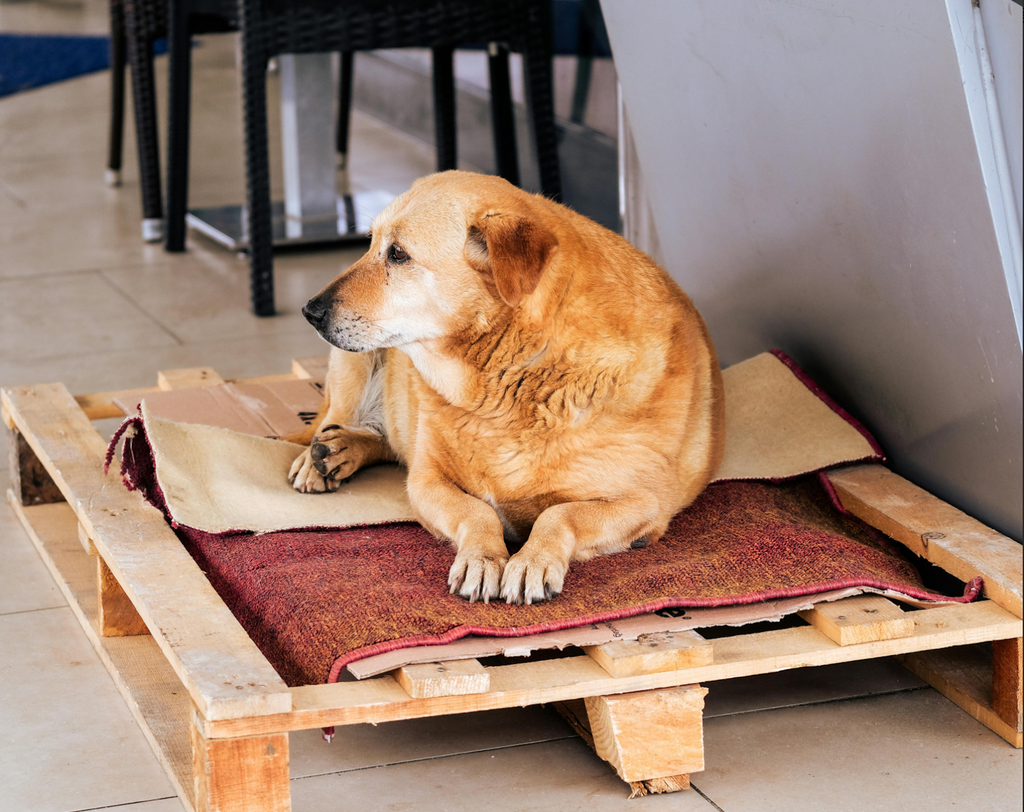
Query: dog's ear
(513, 249)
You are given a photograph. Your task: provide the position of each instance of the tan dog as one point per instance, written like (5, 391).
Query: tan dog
(546, 383)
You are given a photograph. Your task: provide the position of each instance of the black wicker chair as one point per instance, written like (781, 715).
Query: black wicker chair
(272, 27)
(135, 25)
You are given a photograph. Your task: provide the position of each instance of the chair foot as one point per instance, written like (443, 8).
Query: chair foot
(153, 230)
(112, 177)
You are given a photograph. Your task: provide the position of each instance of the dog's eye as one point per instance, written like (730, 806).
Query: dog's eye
(397, 254)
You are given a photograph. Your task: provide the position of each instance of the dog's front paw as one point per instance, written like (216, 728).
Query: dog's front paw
(476, 575)
(531, 578)
(305, 477)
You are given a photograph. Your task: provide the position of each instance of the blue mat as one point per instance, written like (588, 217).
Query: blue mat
(34, 60)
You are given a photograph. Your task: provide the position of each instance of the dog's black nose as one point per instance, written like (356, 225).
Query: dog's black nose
(315, 312)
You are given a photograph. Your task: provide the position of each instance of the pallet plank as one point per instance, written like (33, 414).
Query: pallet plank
(311, 367)
(934, 530)
(861, 619)
(652, 653)
(452, 678)
(224, 672)
(538, 682)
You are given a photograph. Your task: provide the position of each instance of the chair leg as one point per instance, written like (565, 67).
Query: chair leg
(344, 107)
(444, 108)
(140, 57)
(257, 165)
(540, 98)
(179, 56)
(115, 145)
(503, 123)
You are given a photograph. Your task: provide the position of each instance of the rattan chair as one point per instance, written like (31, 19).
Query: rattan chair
(273, 27)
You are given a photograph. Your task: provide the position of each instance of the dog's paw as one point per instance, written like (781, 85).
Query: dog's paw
(305, 478)
(476, 575)
(532, 578)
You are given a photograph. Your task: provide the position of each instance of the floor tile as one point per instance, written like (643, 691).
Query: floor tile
(905, 751)
(72, 314)
(563, 775)
(68, 740)
(360, 746)
(55, 17)
(25, 582)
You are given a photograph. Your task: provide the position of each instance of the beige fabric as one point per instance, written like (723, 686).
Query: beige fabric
(216, 480)
(775, 427)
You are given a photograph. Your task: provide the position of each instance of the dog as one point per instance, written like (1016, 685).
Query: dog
(550, 389)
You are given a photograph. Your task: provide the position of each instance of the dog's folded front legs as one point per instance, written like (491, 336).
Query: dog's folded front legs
(576, 531)
(471, 525)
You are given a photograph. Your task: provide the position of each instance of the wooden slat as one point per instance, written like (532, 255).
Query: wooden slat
(964, 676)
(193, 378)
(224, 672)
(101, 406)
(151, 689)
(535, 683)
(1006, 682)
(650, 734)
(453, 678)
(861, 619)
(936, 531)
(652, 653)
(87, 545)
(311, 367)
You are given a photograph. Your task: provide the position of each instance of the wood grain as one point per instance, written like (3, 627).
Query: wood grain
(861, 619)
(934, 530)
(193, 378)
(1006, 681)
(651, 734)
(241, 775)
(117, 615)
(652, 653)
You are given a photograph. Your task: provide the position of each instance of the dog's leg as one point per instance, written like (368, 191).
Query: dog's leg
(577, 531)
(349, 431)
(471, 525)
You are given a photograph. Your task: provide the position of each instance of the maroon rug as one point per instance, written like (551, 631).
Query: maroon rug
(316, 600)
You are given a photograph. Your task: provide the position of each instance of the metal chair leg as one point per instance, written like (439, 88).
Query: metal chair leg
(179, 55)
(118, 62)
(503, 123)
(444, 108)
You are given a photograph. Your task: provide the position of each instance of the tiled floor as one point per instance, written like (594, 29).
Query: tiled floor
(84, 301)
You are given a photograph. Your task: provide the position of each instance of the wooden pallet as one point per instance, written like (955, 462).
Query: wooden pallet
(218, 715)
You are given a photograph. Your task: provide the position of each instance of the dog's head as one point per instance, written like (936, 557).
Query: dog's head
(444, 257)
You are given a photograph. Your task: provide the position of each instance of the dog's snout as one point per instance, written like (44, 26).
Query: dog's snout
(315, 311)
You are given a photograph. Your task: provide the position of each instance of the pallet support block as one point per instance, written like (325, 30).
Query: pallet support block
(862, 619)
(1006, 682)
(117, 615)
(650, 736)
(454, 678)
(652, 653)
(241, 775)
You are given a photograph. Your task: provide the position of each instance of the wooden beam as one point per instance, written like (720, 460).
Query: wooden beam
(934, 530)
(241, 775)
(30, 481)
(651, 734)
(454, 678)
(117, 615)
(964, 676)
(194, 378)
(1006, 681)
(87, 545)
(653, 653)
(861, 619)
(538, 682)
(183, 612)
